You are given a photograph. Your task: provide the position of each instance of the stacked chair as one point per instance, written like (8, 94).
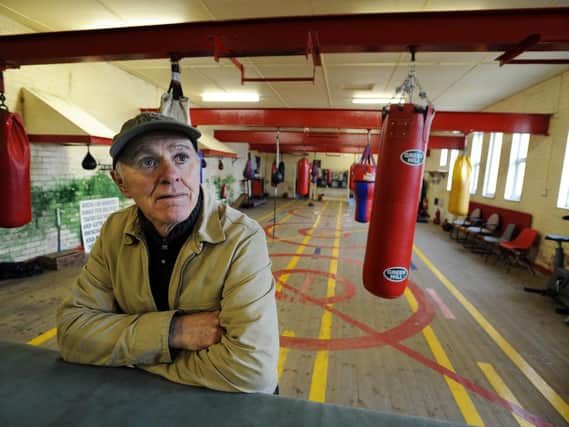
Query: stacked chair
(473, 219)
(473, 232)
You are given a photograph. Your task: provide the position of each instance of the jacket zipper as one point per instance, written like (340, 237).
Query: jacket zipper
(179, 288)
(149, 288)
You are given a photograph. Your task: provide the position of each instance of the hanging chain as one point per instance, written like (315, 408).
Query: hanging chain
(411, 83)
(3, 105)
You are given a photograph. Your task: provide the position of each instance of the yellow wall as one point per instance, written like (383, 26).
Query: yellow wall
(544, 162)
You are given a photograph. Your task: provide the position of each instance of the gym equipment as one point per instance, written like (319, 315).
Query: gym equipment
(173, 103)
(364, 200)
(15, 185)
(460, 190)
(303, 177)
(89, 162)
(557, 286)
(398, 179)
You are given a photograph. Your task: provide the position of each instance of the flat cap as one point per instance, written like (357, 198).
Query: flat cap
(150, 122)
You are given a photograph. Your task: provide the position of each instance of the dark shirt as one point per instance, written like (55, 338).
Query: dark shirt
(163, 251)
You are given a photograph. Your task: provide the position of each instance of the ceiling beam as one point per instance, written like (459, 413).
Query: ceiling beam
(325, 142)
(467, 122)
(287, 117)
(449, 142)
(463, 121)
(358, 140)
(448, 31)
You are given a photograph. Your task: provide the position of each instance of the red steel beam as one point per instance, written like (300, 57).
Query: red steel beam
(285, 117)
(293, 148)
(462, 121)
(449, 31)
(450, 142)
(68, 139)
(336, 142)
(537, 124)
(297, 138)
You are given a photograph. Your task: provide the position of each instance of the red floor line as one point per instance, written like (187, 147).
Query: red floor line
(389, 340)
(445, 311)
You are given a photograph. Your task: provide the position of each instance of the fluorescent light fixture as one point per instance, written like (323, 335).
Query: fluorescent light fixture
(230, 97)
(376, 101)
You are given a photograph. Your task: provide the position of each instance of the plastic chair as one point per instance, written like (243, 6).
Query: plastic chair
(517, 250)
(474, 218)
(489, 228)
(489, 244)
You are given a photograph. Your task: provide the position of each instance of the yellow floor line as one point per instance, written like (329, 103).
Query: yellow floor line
(545, 389)
(271, 213)
(319, 380)
(461, 396)
(39, 340)
(301, 248)
(502, 390)
(283, 353)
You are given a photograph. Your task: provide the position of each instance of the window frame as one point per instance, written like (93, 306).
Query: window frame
(478, 143)
(444, 156)
(492, 165)
(563, 195)
(452, 159)
(516, 166)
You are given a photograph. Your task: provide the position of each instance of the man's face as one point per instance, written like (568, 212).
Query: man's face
(160, 172)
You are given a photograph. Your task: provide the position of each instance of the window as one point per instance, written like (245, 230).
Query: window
(563, 198)
(492, 165)
(517, 167)
(453, 156)
(444, 157)
(475, 155)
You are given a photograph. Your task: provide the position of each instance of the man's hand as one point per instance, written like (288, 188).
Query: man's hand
(195, 331)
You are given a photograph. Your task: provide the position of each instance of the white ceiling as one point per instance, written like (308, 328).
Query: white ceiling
(453, 81)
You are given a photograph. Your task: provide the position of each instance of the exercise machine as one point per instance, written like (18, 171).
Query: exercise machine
(557, 285)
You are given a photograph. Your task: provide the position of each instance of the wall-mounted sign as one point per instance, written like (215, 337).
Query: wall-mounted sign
(93, 214)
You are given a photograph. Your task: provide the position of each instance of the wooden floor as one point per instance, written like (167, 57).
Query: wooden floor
(464, 343)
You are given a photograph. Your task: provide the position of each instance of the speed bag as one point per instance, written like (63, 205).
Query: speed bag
(276, 175)
(15, 188)
(459, 197)
(398, 178)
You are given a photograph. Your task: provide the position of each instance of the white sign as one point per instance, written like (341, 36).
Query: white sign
(93, 214)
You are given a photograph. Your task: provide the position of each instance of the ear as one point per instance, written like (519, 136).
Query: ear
(120, 182)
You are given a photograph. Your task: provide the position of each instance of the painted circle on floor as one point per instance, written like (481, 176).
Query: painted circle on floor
(330, 235)
(268, 233)
(411, 326)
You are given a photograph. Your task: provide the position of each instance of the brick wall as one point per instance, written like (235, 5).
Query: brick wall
(58, 181)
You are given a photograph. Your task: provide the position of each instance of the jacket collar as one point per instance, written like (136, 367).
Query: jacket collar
(208, 227)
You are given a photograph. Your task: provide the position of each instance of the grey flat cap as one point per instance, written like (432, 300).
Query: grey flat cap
(150, 122)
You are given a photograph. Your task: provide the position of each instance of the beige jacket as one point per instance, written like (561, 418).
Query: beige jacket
(111, 319)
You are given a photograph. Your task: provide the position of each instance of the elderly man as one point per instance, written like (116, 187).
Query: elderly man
(177, 284)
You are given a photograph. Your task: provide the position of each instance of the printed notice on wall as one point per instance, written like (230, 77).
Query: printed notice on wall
(93, 214)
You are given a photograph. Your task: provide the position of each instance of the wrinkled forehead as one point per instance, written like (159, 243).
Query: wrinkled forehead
(156, 143)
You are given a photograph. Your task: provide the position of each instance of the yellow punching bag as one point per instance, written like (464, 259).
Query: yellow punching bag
(460, 189)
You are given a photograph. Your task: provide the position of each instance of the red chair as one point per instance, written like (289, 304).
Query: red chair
(516, 251)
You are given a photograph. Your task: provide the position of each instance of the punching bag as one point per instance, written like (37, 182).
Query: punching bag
(15, 188)
(460, 187)
(399, 174)
(303, 177)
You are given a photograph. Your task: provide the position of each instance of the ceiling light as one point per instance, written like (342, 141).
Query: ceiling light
(380, 101)
(230, 97)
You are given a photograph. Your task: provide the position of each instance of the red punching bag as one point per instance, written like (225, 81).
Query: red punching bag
(398, 179)
(303, 177)
(15, 189)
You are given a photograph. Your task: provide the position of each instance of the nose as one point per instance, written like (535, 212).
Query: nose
(168, 172)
